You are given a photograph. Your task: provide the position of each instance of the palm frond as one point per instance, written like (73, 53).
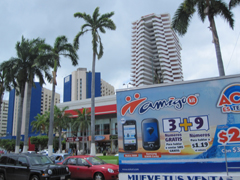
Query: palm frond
(233, 3)
(76, 40)
(220, 8)
(100, 54)
(201, 6)
(95, 14)
(182, 17)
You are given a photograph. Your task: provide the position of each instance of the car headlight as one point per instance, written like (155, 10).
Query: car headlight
(67, 169)
(110, 170)
(49, 171)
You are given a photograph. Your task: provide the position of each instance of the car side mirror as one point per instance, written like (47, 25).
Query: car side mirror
(88, 165)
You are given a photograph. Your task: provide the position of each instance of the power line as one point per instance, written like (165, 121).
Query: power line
(233, 50)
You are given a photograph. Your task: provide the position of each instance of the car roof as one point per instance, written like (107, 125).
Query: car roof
(59, 154)
(81, 156)
(22, 154)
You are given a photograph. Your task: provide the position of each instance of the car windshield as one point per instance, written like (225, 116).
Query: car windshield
(40, 160)
(66, 155)
(95, 160)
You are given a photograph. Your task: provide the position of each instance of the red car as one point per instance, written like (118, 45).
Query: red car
(90, 167)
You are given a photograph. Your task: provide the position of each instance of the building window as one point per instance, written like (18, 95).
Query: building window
(97, 129)
(106, 129)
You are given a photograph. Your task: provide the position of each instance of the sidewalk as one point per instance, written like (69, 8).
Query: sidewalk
(99, 154)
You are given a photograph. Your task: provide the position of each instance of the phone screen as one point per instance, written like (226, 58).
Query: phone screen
(150, 134)
(129, 135)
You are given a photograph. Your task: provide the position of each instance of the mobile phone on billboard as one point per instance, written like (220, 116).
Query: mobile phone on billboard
(130, 135)
(150, 134)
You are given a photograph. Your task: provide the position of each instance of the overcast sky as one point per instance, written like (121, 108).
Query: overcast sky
(49, 19)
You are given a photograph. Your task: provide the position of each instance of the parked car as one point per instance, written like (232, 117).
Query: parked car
(59, 157)
(43, 152)
(31, 167)
(31, 152)
(90, 167)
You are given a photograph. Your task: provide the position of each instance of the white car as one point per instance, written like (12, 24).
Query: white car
(43, 152)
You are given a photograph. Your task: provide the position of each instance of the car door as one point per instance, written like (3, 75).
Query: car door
(73, 168)
(21, 168)
(84, 169)
(10, 168)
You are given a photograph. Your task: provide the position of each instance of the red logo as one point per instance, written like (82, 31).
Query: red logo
(131, 106)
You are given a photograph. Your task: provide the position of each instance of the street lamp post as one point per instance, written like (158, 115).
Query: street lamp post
(127, 84)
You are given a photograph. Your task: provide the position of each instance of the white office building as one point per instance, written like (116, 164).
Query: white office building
(3, 118)
(156, 50)
(77, 86)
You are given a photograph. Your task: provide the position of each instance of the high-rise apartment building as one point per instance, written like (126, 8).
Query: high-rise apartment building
(156, 49)
(40, 102)
(77, 86)
(3, 118)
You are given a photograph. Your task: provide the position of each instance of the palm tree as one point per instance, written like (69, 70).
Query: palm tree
(94, 24)
(41, 123)
(61, 48)
(82, 122)
(233, 3)
(36, 67)
(61, 121)
(23, 70)
(205, 8)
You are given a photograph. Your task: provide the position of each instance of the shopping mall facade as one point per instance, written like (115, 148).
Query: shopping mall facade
(106, 134)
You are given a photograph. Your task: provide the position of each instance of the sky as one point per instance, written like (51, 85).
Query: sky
(50, 19)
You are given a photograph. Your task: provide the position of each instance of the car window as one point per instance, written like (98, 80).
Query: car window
(95, 160)
(40, 160)
(3, 160)
(11, 160)
(52, 158)
(21, 160)
(66, 155)
(72, 161)
(82, 162)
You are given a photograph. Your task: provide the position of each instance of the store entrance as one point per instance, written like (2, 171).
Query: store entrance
(103, 146)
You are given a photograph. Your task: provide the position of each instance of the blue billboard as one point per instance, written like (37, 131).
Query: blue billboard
(187, 127)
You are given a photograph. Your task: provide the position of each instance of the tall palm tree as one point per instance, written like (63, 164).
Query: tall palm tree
(233, 3)
(36, 67)
(60, 48)
(82, 122)
(61, 121)
(94, 24)
(22, 67)
(205, 8)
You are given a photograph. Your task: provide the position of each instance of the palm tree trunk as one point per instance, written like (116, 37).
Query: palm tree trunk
(29, 93)
(1, 95)
(217, 46)
(60, 139)
(93, 149)
(19, 120)
(50, 135)
(83, 142)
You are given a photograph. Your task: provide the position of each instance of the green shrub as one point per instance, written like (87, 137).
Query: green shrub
(104, 153)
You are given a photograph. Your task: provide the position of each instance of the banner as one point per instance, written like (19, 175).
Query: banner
(181, 128)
